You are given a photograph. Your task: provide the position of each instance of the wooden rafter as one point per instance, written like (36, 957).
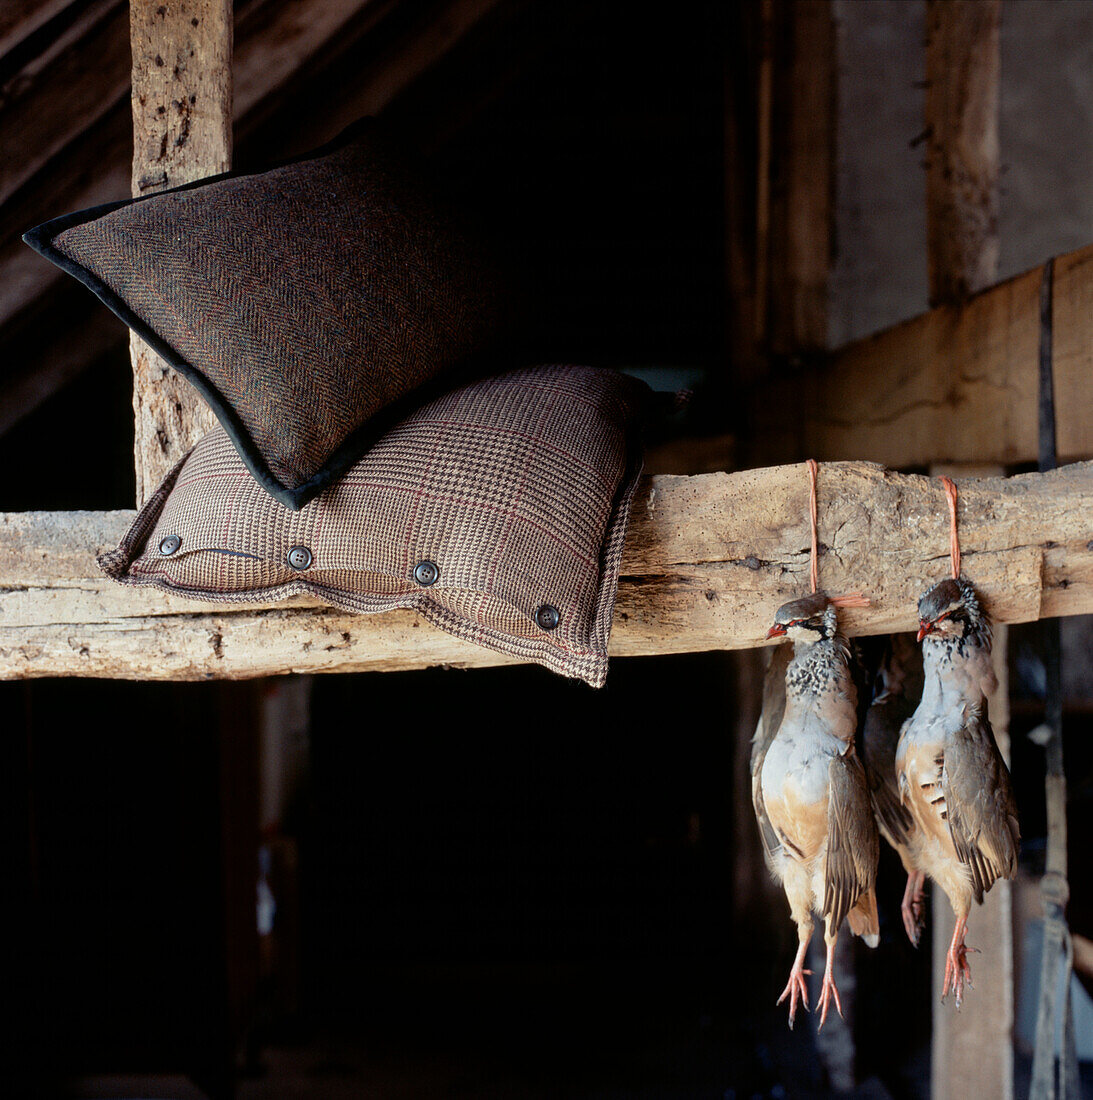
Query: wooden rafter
(47, 141)
(707, 561)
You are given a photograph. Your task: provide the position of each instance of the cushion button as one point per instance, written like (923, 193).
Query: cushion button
(170, 545)
(299, 557)
(426, 573)
(547, 617)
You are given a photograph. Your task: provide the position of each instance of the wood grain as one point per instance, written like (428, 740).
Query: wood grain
(182, 131)
(708, 560)
(963, 62)
(955, 385)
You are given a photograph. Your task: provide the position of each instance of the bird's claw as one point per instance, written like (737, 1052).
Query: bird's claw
(958, 973)
(828, 992)
(914, 916)
(795, 988)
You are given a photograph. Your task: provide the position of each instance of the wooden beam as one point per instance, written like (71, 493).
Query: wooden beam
(182, 131)
(803, 182)
(955, 385)
(50, 99)
(963, 59)
(707, 561)
(780, 180)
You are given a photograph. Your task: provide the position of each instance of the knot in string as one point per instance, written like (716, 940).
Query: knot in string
(954, 541)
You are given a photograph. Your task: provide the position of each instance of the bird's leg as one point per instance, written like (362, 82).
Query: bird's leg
(796, 986)
(828, 990)
(914, 904)
(957, 971)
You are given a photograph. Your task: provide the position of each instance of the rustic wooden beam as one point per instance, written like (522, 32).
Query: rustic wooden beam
(963, 60)
(955, 385)
(40, 111)
(707, 561)
(780, 180)
(803, 182)
(182, 131)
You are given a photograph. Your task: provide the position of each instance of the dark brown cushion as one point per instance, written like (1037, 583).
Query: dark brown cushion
(299, 301)
(497, 511)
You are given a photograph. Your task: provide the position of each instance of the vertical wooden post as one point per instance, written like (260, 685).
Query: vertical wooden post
(963, 61)
(780, 146)
(182, 125)
(803, 182)
(973, 1048)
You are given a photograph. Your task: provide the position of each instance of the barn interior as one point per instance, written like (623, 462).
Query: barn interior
(492, 881)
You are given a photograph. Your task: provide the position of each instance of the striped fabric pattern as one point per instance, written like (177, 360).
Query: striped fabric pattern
(517, 488)
(310, 297)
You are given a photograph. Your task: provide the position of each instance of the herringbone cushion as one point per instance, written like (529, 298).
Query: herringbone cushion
(301, 301)
(497, 511)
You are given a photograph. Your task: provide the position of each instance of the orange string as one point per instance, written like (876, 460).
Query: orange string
(813, 470)
(954, 541)
(850, 599)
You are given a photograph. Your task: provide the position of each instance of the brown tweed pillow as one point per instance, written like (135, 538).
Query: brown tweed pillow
(299, 301)
(497, 511)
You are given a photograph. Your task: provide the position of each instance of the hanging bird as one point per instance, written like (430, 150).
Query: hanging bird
(951, 775)
(898, 690)
(809, 790)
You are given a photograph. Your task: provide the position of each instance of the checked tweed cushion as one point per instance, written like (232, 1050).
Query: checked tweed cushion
(497, 512)
(300, 301)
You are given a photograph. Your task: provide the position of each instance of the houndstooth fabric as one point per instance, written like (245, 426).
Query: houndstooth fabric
(310, 297)
(517, 488)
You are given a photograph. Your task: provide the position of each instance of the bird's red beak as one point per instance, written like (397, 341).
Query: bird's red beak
(923, 630)
(777, 631)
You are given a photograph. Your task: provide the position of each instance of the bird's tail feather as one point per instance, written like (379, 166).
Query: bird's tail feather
(863, 919)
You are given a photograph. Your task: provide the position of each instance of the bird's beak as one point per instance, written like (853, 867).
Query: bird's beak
(923, 630)
(776, 631)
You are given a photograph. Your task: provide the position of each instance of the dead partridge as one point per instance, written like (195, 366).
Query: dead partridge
(897, 693)
(951, 775)
(810, 792)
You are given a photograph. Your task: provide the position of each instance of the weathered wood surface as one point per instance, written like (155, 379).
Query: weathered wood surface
(707, 561)
(779, 184)
(955, 385)
(803, 182)
(182, 131)
(963, 61)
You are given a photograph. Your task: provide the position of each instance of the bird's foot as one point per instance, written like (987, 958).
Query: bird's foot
(828, 993)
(796, 988)
(914, 908)
(958, 974)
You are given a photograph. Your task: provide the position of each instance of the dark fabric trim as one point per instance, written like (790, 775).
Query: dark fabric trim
(41, 238)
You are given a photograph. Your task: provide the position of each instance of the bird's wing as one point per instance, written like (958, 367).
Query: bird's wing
(774, 708)
(981, 809)
(853, 846)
